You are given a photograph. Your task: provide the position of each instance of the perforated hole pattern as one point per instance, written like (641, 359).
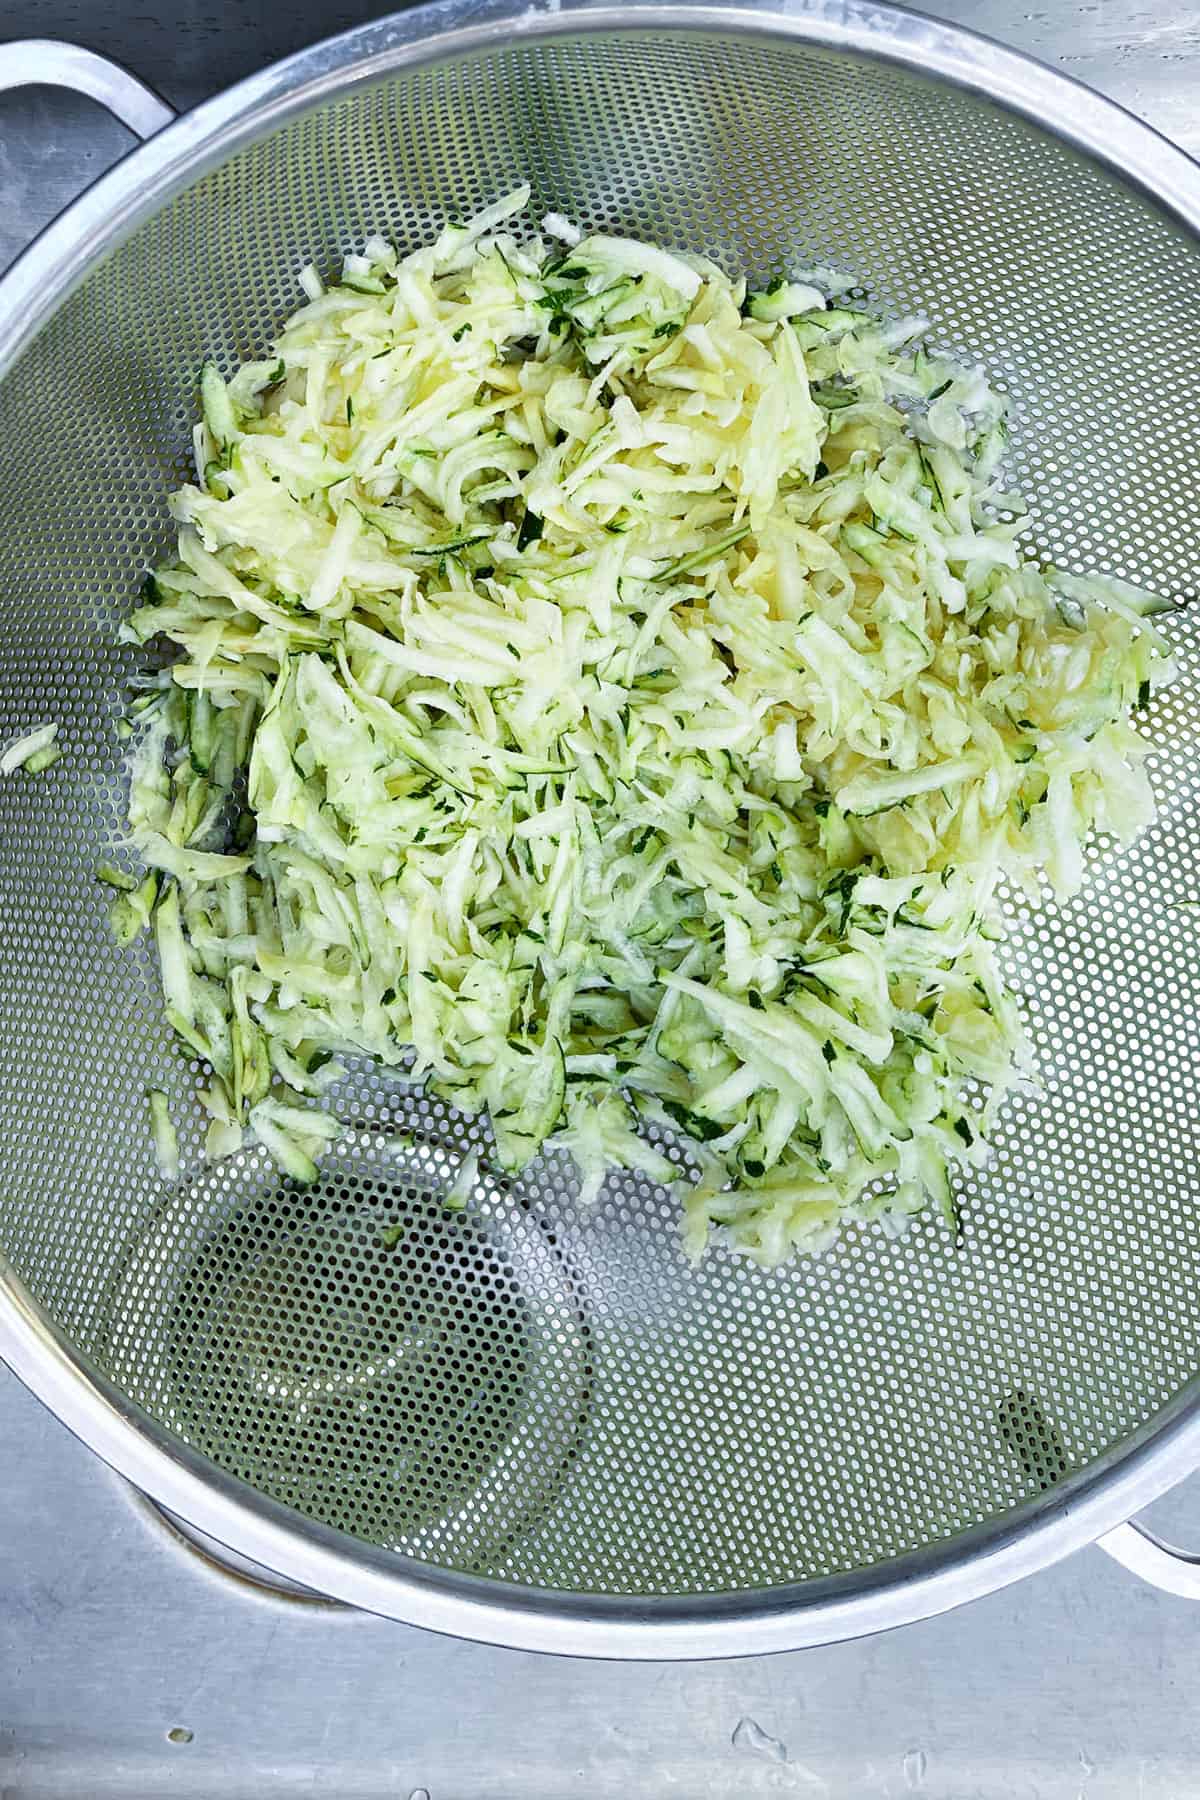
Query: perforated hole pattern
(549, 1395)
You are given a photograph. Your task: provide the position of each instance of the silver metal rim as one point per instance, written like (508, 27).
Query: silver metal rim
(224, 1508)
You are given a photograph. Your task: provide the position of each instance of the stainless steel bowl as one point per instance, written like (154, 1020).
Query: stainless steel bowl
(533, 1424)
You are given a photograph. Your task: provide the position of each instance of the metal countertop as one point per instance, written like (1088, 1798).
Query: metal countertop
(127, 1668)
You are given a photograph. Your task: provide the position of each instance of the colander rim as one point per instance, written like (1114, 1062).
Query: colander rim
(966, 1566)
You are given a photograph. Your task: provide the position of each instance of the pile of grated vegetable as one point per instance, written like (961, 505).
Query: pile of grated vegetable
(613, 699)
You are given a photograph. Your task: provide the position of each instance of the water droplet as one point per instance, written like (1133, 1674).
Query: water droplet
(749, 1735)
(915, 1765)
(179, 1734)
(419, 1794)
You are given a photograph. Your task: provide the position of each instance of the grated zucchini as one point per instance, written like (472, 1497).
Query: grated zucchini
(613, 698)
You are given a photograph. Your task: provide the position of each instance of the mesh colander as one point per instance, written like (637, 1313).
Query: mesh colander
(529, 1422)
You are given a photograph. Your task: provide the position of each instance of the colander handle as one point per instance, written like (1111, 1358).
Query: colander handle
(43, 62)
(1144, 1555)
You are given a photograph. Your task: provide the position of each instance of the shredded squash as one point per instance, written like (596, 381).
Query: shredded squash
(613, 698)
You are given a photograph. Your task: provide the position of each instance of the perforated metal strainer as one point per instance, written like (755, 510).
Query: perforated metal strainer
(526, 1422)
